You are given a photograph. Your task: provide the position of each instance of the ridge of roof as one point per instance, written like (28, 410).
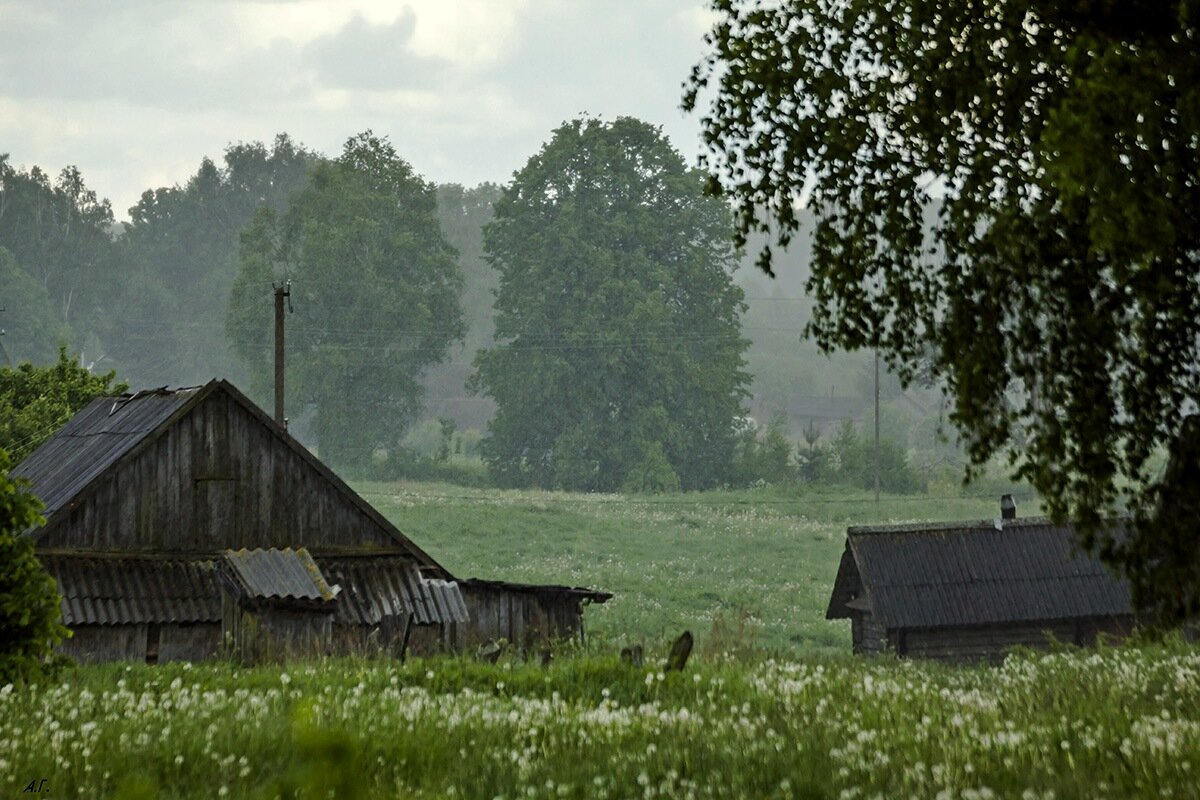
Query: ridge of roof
(968, 525)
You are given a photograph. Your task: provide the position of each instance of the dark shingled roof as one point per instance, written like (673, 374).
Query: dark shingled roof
(972, 573)
(132, 590)
(274, 574)
(93, 440)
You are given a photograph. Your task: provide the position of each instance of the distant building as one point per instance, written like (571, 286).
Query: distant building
(181, 525)
(969, 591)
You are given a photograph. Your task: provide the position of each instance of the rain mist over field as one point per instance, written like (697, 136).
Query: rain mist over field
(604, 379)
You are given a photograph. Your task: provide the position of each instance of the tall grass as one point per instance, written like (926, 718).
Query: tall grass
(1111, 723)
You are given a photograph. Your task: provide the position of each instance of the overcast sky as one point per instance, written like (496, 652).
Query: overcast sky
(136, 92)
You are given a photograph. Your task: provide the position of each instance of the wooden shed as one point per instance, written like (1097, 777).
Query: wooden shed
(178, 521)
(970, 591)
(524, 615)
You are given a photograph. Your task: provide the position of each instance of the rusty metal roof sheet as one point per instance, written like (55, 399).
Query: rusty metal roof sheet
(93, 440)
(376, 587)
(273, 574)
(123, 591)
(971, 573)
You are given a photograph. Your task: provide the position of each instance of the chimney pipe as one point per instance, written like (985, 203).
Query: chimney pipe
(1008, 507)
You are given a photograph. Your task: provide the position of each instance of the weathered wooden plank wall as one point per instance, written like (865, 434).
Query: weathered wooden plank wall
(92, 644)
(525, 619)
(990, 643)
(218, 479)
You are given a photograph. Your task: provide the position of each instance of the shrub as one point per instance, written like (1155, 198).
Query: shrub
(652, 474)
(765, 457)
(30, 623)
(850, 460)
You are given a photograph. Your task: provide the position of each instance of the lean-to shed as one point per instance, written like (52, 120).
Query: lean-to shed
(969, 591)
(180, 523)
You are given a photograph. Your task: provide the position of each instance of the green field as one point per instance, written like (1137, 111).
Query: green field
(781, 710)
(764, 560)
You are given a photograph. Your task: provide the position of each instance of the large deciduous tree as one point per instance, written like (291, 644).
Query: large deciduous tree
(375, 289)
(33, 327)
(181, 253)
(618, 347)
(60, 235)
(1059, 293)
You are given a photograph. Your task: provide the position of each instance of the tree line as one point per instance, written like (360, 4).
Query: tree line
(591, 299)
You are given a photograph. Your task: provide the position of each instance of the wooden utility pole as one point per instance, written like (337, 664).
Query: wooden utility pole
(876, 426)
(3, 349)
(282, 290)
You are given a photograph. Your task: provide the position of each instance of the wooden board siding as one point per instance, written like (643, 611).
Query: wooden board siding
(270, 634)
(992, 642)
(525, 619)
(217, 479)
(869, 637)
(189, 642)
(92, 644)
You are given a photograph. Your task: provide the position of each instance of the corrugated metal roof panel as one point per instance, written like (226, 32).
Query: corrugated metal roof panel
(384, 586)
(122, 591)
(285, 574)
(93, 440)
(970, 573)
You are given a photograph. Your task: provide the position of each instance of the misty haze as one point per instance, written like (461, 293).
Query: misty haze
(537, 399)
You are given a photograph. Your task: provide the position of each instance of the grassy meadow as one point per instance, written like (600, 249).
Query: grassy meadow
(762, 561)
(1105, 724)
(772, 704)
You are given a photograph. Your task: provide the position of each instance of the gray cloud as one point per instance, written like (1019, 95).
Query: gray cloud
(375, 57)
(139, 91)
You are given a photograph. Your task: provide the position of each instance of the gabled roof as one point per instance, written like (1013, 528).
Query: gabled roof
(110, 430)
(974, 573)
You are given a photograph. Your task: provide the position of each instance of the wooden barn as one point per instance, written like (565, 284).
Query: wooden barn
(182, 525)
(970, 591)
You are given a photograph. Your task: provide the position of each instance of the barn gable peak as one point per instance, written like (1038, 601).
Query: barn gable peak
(197, 469)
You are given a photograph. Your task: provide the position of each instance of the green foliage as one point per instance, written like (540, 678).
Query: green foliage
(652, 474)
(33, 327)
(30, 620)
(616, 318)
(765, 458)
(181, 249)
(850, 460)
(1064, 260)
(60, 234)
(375, 291)
(37, 401)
